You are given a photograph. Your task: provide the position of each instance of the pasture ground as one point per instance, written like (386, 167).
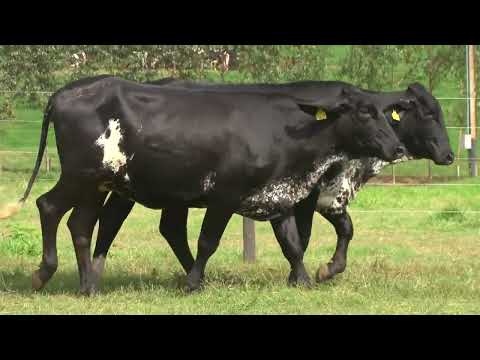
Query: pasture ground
(399, 263)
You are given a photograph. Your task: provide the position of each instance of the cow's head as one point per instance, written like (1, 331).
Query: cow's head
(418, 121)
(363, 128)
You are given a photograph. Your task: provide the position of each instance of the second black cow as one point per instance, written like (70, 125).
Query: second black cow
(414, 114)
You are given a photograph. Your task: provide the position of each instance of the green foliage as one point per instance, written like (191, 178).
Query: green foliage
(388, 67)
(21, 240)
(27, 69)
(449, 214)
(371, 66)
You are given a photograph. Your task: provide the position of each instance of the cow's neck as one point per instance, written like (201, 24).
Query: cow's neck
(323, 140)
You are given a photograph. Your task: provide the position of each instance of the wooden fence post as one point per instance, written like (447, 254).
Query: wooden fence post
(248, 240)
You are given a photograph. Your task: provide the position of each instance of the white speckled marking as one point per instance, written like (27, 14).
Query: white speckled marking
(283, 194)
(208, 183)
(336, 193)
(113, 157)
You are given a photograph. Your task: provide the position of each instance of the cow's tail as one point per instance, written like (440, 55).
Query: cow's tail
(13, 208)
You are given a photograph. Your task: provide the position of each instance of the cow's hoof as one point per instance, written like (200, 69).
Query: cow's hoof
(37, 283)
(88, 286)
(192, 287)
(194, 283)
(302, 280)
(323, 274)
(88, 290)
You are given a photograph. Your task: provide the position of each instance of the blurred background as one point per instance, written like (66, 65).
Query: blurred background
(29, 74)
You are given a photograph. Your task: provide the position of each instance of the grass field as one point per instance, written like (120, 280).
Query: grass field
(399, 263)
(405, 262)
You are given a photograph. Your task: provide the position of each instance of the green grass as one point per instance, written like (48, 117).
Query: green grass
(399, 263)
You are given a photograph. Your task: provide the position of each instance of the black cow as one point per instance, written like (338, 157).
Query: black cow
(418, 120)
(256, 155)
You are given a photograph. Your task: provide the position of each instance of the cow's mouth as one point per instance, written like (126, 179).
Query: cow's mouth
(447, 158)
(378, 148)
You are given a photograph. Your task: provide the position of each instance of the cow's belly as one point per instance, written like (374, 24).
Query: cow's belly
(157, 181)
(278, 197)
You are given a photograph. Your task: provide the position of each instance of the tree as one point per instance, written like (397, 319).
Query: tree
(371, 66)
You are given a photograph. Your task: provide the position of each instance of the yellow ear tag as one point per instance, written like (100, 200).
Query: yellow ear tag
(395, 116)
(321, 115)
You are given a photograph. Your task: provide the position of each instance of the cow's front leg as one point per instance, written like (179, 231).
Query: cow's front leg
(344, 229)
(113, 214)
(287, 235)
(213, 226)
(304, 212)
(173, 227)
(81, 224)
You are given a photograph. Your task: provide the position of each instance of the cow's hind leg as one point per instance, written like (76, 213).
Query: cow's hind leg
(112, 216)
(287, 235)
(213, 226)
(81, 224)
(173, 227)
(344, 229)
(52, 206)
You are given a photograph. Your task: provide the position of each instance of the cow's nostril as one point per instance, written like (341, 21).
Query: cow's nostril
(450, 157)
(399, 152)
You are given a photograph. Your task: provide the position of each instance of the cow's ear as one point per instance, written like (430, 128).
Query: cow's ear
(343, 101)
(328, 104)
(417, 88)
(406, 104)
(308, 108)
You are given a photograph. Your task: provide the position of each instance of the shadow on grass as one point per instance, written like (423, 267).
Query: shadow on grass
(67, 282)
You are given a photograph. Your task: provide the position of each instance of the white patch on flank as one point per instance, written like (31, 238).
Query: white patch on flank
(127, 178)
(113, 157)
